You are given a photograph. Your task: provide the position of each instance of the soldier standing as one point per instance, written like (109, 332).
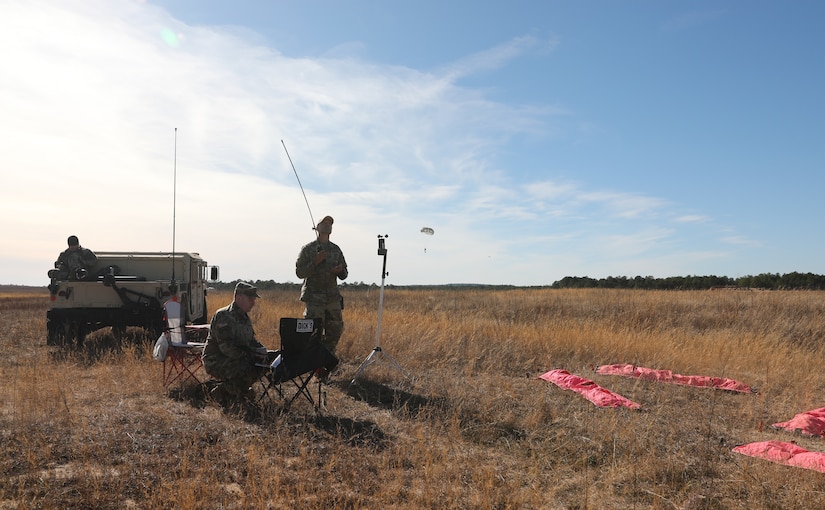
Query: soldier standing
(321, 264)
(232, 351)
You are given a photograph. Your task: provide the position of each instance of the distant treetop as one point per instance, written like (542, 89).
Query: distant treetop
(789, 281)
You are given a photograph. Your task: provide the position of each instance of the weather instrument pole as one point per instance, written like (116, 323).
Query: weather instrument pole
(377, 352)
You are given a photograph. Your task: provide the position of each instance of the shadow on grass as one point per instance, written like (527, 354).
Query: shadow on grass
(354, 432)
(383, 396)
(198, 396)
(264, 411)
(101, 343)
(195, 394)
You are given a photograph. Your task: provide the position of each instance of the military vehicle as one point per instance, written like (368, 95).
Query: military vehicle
(126, 289)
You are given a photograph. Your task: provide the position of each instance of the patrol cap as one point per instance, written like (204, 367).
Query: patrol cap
(246, 289)
(325, 225)
(73, 241)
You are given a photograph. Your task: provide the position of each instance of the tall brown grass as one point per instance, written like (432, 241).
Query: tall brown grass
(473, 428)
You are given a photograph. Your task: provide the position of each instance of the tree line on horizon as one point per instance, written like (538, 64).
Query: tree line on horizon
(768, 281)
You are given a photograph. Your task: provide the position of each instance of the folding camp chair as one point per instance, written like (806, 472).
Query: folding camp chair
(300, 356)
(185, 346)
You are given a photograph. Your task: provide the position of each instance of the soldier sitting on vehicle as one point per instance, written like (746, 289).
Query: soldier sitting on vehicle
(232, 351)
(73, 263)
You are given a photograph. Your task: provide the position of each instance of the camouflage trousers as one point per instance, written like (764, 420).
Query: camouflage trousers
(333, 321)
(237, 375)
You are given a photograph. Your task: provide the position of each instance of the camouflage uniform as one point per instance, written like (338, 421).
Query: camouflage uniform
(320, 292)
(69, 261)
(229, 354)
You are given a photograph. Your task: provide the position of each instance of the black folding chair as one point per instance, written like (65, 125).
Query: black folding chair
(296, 362)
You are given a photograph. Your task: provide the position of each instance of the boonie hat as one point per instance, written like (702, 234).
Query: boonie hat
(246, 289)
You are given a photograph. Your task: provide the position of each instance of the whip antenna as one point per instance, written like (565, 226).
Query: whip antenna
(173, 286)
(299, 184)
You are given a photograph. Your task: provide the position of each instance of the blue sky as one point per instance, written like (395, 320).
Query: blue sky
(538, 139)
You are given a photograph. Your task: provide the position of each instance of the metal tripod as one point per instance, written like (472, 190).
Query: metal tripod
(377, 352)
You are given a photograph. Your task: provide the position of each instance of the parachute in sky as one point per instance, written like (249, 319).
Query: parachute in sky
(429, 232)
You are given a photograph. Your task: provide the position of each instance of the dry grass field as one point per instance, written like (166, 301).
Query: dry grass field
(474, 429)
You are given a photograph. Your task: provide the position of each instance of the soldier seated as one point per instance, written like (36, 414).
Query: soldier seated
(73, 263)
(232, 351)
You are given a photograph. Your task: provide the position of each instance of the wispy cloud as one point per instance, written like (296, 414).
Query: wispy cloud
(691, 218)
(741, 241)
(624, 205)
(497, 57)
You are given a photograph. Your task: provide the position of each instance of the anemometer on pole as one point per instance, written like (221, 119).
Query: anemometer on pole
(377, 351)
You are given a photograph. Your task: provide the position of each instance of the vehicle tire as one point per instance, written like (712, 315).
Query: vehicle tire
(118, 332)
(54, 334)
(155, 329)
(68, 334)
(80, 335)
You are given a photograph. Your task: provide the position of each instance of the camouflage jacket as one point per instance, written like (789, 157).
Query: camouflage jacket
(231, 335)
(320, 285)
(72, 260)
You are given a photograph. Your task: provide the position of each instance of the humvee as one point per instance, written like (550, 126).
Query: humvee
(128, 289)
